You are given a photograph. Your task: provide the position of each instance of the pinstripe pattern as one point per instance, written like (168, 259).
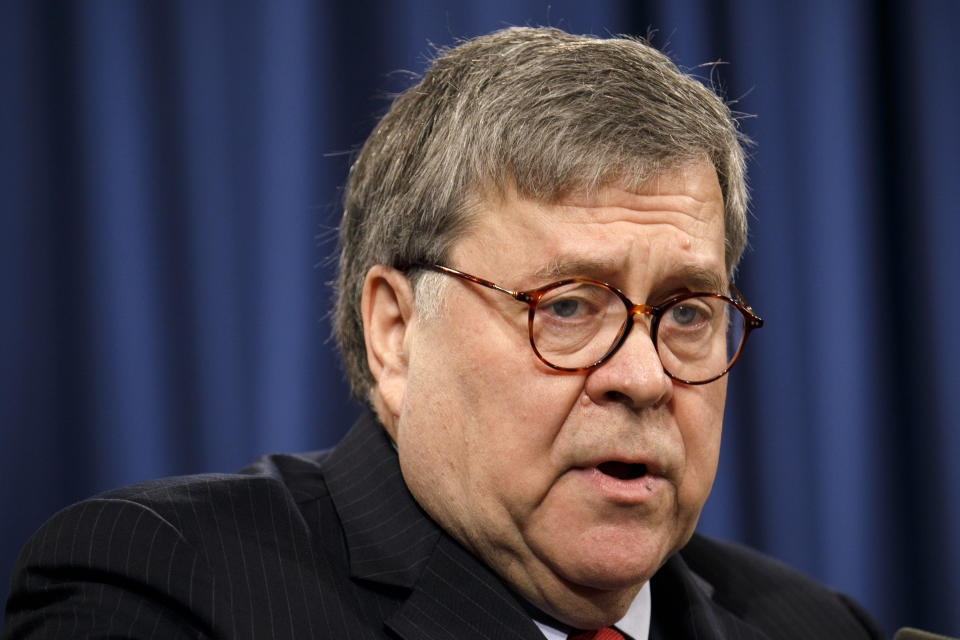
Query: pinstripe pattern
(332, 545)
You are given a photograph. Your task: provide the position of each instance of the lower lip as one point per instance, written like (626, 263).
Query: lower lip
(632, 491)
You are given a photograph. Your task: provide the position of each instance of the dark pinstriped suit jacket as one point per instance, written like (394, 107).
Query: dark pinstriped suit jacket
(332, 545)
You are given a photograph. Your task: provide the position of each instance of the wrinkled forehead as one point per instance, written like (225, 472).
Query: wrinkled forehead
(674, 222)
(694, 178)
(692, 188)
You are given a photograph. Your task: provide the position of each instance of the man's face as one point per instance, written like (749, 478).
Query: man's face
(508, 455)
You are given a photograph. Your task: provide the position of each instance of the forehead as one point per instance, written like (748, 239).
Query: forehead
(673, 227)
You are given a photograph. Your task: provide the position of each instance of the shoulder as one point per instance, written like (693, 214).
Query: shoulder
(734, 566)
(186, 555)
(771, 595)
(209, 512)
(274, 482)
(212, 515)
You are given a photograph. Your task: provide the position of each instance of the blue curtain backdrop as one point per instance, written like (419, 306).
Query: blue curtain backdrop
(169, 183)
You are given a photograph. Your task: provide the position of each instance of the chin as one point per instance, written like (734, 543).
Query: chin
(615, 562)
(611, 578)
(586, 608)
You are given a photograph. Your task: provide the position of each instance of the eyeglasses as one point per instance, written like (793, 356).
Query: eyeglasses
(578, 324)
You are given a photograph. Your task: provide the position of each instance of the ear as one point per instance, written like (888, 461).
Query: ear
(388, 311)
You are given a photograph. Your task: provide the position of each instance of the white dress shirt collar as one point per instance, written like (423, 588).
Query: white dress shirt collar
(636, 623)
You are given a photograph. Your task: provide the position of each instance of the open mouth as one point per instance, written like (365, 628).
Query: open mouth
(623, 470)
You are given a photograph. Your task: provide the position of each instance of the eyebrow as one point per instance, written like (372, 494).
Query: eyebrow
(561, 267)
(701, 279)
(695, 277)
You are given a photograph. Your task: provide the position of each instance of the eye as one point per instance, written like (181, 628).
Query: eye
(692, 313)
(686, 314)
(566, 307)
(575, 302)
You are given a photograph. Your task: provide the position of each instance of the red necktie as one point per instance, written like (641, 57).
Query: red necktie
(607, 633)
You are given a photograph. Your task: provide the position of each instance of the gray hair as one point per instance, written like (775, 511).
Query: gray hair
(538, 111)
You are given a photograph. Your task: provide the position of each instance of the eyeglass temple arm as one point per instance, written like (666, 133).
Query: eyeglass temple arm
(519, 295)
(755, 321)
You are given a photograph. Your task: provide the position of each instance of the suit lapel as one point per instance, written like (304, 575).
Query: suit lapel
(391, 540)
(389, 537)
(459, 597)
(683, 608)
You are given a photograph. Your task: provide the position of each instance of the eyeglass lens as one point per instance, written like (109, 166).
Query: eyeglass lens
(578, 324)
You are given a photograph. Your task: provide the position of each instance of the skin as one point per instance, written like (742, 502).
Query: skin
(501, 450)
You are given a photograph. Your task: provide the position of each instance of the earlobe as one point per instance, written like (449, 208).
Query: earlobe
(388, 311)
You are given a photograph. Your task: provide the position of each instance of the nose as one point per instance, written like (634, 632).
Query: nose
(634, 375)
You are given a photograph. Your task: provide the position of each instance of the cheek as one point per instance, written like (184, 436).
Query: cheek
(700, 421)
(515, 429)
(479, 420)
(513, 402)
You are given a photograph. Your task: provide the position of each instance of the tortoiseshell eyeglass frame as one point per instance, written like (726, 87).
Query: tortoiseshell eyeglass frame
(532, 299)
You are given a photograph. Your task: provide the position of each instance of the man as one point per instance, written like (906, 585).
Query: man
(535, 299)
